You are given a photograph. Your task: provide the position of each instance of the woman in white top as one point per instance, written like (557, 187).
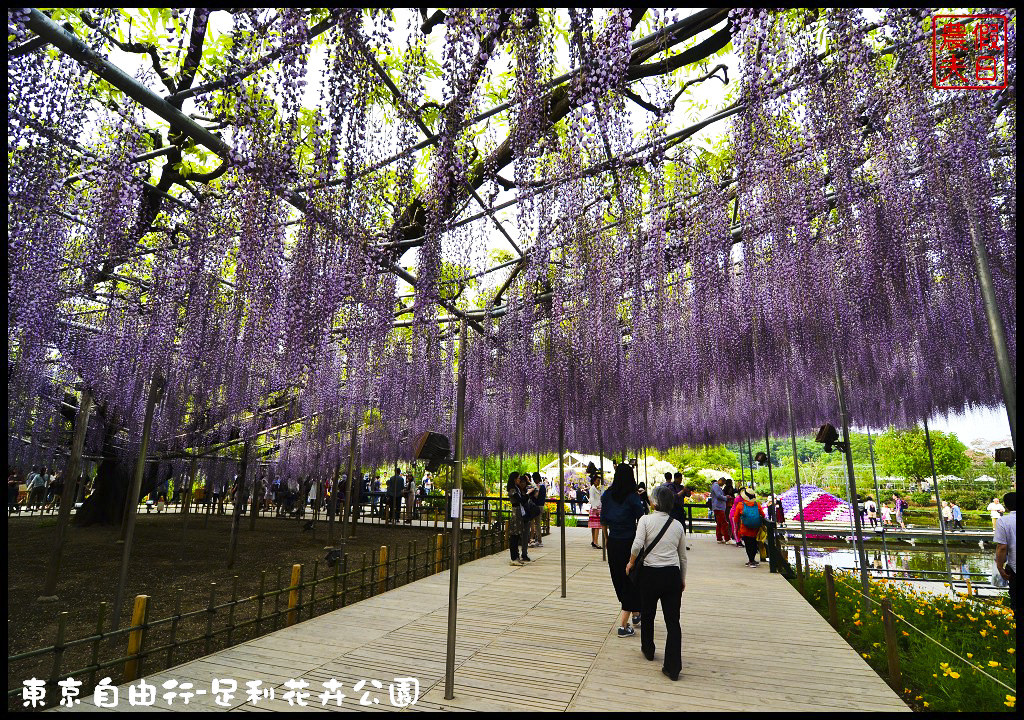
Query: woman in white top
(872, 510)
(594, 519)
(662, 577)
(996, 510)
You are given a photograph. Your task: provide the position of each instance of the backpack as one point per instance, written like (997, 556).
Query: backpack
(751, 516)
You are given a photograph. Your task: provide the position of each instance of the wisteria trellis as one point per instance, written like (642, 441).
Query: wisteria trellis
(661, 299)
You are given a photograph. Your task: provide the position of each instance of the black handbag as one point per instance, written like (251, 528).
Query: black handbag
(634, 574)
(531, 507)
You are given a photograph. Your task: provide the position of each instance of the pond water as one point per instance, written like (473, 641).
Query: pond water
(904, 562)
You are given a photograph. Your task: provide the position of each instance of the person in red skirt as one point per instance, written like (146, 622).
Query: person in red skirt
(594, 517)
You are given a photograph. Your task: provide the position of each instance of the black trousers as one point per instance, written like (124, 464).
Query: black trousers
(750, 545)
(663, 584)
(515, 542)
(618, 556)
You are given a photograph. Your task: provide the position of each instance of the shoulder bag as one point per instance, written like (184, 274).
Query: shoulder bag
(634, 574)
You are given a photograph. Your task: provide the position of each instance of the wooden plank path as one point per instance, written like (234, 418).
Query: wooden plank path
(750, 642)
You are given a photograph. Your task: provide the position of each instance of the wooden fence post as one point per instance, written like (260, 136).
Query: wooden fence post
(799, 572)
(293, 594)
(259, 600)
(830, 595)
(131, 666)
(362, 579)
(210, 610)
(891, 646)
(173, 644)
(277, 602)
(382, 570)
(438, 548)
(344, 579)
(410, 552)
(231, 609)
(58, 648)
(101, 617)
(312, 590)
(477, 545)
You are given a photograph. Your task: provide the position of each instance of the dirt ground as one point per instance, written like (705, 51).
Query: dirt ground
(158, 567)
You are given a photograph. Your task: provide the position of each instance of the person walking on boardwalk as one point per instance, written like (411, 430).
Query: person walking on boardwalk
(36, 487)
(660, 547)
(947, 516)
(518, 531)
(995, 511)
(12, 491)
(594, 517)
(718, 505)
(872, 511)
(396, 483)
(680, 492)
(731, 498)
(541, 498)
(748, 516)
(900, 505)
(958, 517)
(1005, 539)
(410, 497)
(886, 515)
(621, 507)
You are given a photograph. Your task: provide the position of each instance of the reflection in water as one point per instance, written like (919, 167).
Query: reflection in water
(904, 563)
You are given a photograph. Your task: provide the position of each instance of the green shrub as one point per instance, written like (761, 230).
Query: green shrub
(922, 499)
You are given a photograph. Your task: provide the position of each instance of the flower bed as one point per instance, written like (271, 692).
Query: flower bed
(981, 630)
(818, 505)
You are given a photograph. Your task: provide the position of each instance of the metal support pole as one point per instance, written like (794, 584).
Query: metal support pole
(347, 510)
(67, 498)
(561, 486)
(156, 386)
(796, 473)
(456, 489)
(742, 476)
(501, 485)
(773, 524)
(332, 502)
(995, 323)
(874, 475)
(187, 501)
(858, 540)
(236, 501)
(257, 497)
(647, 483)
(750, 458)
(600, 460)
(938, 501)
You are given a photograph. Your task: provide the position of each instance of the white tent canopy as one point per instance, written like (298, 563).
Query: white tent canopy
(576, 468)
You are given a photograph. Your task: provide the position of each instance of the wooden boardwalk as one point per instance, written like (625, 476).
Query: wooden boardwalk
(750, 642)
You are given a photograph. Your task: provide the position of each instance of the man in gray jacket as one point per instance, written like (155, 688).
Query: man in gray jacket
(718, 507)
